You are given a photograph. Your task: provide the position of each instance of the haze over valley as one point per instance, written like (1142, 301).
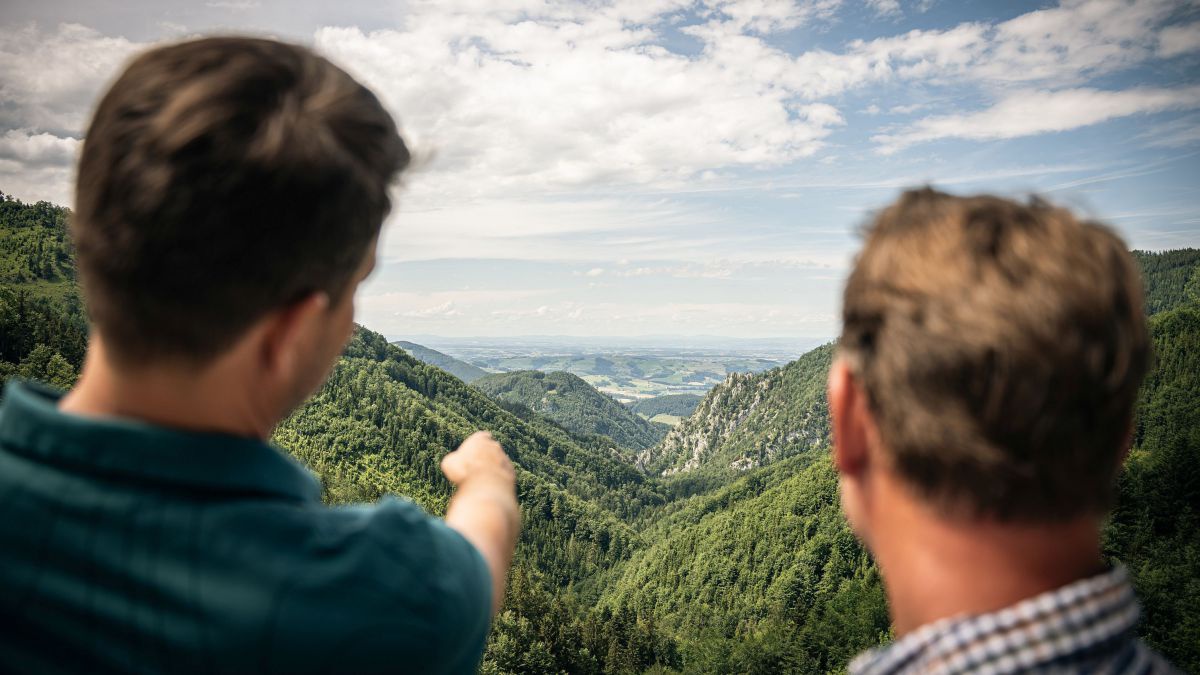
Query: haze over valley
(629, 369)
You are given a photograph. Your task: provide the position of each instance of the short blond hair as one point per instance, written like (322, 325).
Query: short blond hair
(1001, 346)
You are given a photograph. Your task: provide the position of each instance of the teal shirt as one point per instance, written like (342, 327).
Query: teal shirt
(126, 547)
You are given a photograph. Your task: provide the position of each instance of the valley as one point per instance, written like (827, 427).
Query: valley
(629, 369)
(715, 545)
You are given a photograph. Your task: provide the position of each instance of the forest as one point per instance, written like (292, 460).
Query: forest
(573, 403)
(720, 548)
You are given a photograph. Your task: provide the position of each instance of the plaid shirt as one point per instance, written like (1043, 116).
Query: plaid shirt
(1085, 626)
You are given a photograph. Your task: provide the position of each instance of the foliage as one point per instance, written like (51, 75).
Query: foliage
(1155, 528)
(1165, 276)
(749, 420)
(43, 331)
(678, 405)
(572, 403)
(763, 575)
(381, 424)
(461, 369)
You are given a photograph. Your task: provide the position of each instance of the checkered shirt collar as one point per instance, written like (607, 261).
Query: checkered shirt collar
(1084, 622)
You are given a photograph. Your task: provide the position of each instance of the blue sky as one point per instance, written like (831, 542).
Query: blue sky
(678, 166)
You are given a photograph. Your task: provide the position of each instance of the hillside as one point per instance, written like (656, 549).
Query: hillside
(1155, 529)
(737, 560)
(381, 424)
(569, 401)
(762, 575)
(384, 420)
(456, 367)
(750, 420)
(671, 405)
(1166, 276)
(43, 331)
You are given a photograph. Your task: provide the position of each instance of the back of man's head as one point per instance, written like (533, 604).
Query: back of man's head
(1000, 346)
(220, 179)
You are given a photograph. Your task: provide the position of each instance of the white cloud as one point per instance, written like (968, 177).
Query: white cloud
(1173, 134)
(1038, 112)
(536, 97)
(446, 310)
(584, 229)
(770, 16)
(525, 107)
(1075, 40)
(567, 98)
(34, 149)
(413, 303)
(36, 183)
(885, 7)
(1177, 40)
(49, 80)
(716, 269)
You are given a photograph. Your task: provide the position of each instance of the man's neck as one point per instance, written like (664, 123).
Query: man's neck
(175, 397)
(934, 569)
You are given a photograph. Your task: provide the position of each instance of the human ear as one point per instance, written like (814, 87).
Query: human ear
(291, 332)
(847, 411)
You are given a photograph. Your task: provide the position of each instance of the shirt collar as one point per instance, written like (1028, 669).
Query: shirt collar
(1082, 617)
(31, 424)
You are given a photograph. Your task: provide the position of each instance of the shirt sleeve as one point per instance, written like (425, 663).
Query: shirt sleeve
(386, 587)
(466, 598)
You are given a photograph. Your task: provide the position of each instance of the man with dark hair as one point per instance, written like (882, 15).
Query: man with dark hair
(982, 403)
(229, 199)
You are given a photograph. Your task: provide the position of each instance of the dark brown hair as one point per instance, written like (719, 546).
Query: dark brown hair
(1001, 346)
(222, 178)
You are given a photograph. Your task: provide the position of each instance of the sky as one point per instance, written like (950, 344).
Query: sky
(675, 167)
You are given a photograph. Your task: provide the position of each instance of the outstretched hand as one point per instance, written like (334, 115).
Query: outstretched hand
(479, 457)
(484, 507)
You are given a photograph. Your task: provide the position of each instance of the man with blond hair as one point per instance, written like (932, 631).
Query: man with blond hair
(982, 403)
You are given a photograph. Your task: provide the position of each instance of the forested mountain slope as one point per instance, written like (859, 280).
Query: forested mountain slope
(738, 560)
(43, 332)
(570, 401)
(1166, 276)
(1155, 529)
(464, 371)
(382, 423)
(763, 575)
(677, 405)
(749, 420)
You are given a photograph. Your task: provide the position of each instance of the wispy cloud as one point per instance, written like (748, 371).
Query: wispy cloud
(885, 7)
(1177, 40)
(1038, 112)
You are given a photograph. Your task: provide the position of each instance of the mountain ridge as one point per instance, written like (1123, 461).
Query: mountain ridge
(749, 420)
(467, 372)
(570, 401)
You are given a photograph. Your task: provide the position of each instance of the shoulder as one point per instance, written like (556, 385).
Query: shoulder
(382, 583)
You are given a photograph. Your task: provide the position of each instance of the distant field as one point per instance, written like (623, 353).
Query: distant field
(673, 420)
